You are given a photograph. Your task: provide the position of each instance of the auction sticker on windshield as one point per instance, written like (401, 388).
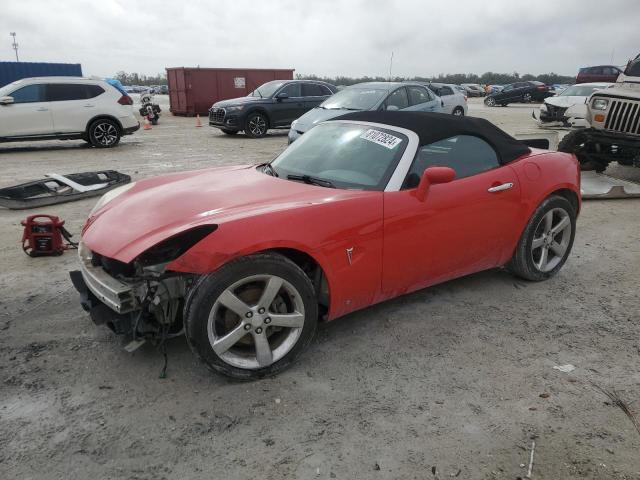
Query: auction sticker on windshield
(381, 138)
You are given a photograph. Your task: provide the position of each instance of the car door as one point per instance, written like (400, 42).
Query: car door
(314, 94)
(423, 100)
(508, 94)
(396, 100)
(448, 98)
(286, 110)
(29, 114)
(460, 227)
(73, 105)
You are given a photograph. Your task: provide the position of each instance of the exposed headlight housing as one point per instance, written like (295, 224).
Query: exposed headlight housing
(110, 195)
(599, 104)
(543, 107)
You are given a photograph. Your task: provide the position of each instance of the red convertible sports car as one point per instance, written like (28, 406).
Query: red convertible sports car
(245, 260)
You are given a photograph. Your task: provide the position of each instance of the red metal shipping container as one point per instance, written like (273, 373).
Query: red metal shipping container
(194, 90)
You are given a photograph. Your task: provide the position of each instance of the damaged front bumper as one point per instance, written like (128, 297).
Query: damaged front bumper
(146, 305)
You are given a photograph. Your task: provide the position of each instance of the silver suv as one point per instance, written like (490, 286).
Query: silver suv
(613, 116)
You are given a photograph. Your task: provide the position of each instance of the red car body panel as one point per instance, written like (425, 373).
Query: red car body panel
(398, 243)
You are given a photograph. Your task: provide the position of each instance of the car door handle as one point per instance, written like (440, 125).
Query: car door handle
(42, 109)
(89, 106)
(500, 188)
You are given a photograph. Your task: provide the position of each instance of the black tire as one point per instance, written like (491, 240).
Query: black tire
(257, 125)
(229, 132)
(154, 121)
(208, 290)
(458, 112)
(526, 98)
(490, 101)
(104, 133)
(523, 263)
(575, 142)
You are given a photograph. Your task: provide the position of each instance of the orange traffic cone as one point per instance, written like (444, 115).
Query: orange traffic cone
(198, 122)
(146, 124)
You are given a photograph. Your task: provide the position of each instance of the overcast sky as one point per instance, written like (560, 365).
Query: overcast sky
(325, 37)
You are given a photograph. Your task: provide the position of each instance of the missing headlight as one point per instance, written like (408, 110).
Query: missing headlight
(173, 247)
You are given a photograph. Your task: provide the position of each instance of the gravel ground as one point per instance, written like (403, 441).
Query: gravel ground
(455, 381)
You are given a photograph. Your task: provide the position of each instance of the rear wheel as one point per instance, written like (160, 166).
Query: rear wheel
(253, 317)
(104, 133)
(458, 112)
(546, 242)
(257, 125)
(526, 98)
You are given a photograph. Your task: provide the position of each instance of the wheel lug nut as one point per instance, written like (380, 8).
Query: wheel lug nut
(261, 311)
(258, 330)
(247, 327)
(267, 320)
(248, 314)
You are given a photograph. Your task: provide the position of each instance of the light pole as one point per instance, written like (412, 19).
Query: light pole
(15, 45)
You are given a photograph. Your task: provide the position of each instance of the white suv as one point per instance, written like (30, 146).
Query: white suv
(65, 108)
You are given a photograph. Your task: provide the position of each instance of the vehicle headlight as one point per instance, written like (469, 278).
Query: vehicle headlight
(235, 108)
(600, 104)
(110, 195)
(293, 124)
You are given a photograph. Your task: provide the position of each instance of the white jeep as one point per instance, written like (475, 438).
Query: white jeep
(613, 118)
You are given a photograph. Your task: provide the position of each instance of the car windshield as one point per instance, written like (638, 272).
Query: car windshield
(579, 91)
(344, 155)
(267, 89)
(354, 99)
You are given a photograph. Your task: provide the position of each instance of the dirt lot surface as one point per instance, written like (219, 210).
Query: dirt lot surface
(458, 379)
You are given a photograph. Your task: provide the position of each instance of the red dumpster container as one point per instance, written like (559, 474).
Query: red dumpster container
(194, 90)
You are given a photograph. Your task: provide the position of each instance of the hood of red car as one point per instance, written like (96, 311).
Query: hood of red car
(158, 208)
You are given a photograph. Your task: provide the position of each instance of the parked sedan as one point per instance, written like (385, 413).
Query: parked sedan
(474, 90)
(246, 260)
(455, 102)
(369, 96)
(273, 105)
(519, 92)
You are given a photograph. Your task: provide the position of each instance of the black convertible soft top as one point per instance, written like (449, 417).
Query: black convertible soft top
(432, 127)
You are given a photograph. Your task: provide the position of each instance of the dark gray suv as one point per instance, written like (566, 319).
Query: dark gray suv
(273, 105)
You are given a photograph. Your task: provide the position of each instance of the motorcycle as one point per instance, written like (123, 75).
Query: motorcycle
(149, 109)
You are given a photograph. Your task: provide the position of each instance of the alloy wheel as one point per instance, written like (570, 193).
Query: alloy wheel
(258, 125)
(490, 102)
(551, 239)
(527, 97)
(105, 134)
(256, 321)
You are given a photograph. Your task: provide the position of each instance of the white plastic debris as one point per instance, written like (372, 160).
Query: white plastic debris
(565, 368)
(277, 400)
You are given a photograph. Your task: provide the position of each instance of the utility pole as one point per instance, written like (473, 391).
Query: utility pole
(390, 66)
(15, 45)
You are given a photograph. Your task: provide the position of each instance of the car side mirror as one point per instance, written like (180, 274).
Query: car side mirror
(6, 100)
(281, 96)
(392, 108)
(434, 176)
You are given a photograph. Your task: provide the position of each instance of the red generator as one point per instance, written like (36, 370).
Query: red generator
(45, 235)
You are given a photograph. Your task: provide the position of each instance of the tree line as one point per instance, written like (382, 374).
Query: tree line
(141, 79)
(487, 78)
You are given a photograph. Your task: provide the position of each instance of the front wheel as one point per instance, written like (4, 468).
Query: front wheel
(546, 241)
(257, 125)
(490, 102)
(104, 133)
(253, 317)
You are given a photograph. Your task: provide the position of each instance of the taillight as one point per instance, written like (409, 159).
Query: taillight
(125, 100)
(465, 98)
(543, 88)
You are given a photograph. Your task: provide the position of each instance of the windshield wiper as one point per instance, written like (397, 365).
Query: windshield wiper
(311, 180)
(267, 168)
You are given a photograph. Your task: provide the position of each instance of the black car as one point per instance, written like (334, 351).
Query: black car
(519, 92)
(273, 105)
